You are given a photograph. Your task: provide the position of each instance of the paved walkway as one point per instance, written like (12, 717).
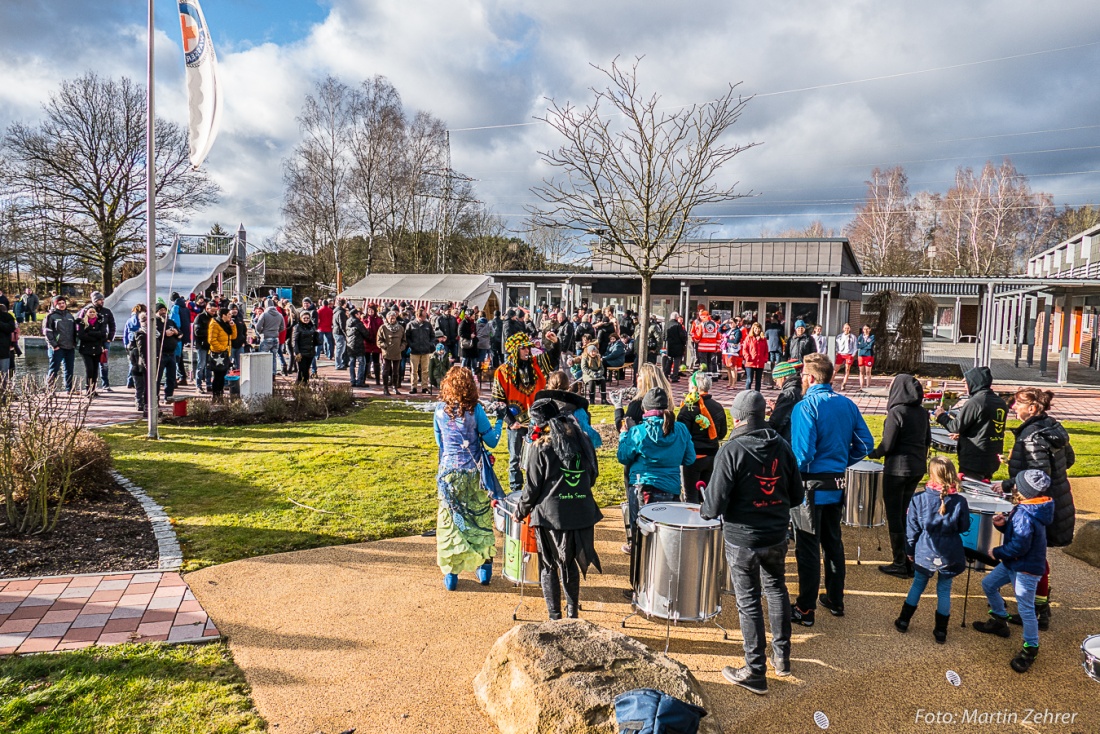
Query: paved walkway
(1070, 403)
(364, 636)
(71, 612)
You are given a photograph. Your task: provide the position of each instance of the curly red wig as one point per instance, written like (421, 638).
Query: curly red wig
(458, 392)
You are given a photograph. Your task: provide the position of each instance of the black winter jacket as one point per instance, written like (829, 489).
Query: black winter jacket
(799, 346)
(704, 446)
(420, 337)
(357, 334)
(754, 485)
(906, 433)
(980, 423)
(676, 339)
(557, 497)
(780, 420)
(304, 339)
(1043, 443)
(201, 330)
(7, 332)
(92, 338)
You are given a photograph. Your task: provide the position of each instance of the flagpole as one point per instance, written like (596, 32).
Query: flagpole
(152, 362)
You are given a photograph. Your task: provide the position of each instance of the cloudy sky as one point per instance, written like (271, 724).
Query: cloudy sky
(839, 87)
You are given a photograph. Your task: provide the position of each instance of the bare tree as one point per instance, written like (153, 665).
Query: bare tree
(557, 246)
(87, 158)
(882, 232)
(635, 172)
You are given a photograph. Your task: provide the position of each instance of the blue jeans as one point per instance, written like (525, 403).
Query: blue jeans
(327, 343)
(358, 369)
(203, 375)
(943, 590)
(634, 499)
(775, 358)
(756, 572)
(271, 344)
(61, 360)
(1024, 584)
(753, 373)
(104, 380)
(236, 356)
(340, 351)
(515, 456)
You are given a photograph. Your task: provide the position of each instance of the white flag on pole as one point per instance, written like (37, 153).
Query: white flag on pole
(204, 97)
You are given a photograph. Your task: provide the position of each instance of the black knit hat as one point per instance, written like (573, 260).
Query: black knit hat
(655, 399)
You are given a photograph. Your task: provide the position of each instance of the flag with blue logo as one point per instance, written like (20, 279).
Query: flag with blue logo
(204, 100)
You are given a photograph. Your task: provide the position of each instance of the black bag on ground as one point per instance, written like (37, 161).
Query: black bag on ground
(649, 711)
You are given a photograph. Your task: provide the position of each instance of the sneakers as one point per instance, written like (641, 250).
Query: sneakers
(745, 678)
(626, 549)
(806, 619)
(993, 626)
(782, 668)
(837, 610)
(1023, 660)
(450, 581)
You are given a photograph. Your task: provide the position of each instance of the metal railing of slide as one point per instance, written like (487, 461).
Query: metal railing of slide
(205, 244)
(256, 276)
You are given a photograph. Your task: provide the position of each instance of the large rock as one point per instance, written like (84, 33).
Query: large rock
(562, 678)
(1086, 543)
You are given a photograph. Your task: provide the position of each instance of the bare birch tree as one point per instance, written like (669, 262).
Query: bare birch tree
(635, 172)
(882, 232)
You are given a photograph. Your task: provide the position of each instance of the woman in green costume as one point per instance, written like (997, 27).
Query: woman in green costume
(464, 522)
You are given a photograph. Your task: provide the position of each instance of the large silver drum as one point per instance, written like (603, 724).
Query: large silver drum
(679, 556)
(1090, 656)
(519, 567)
(982, 509)
(863, 498)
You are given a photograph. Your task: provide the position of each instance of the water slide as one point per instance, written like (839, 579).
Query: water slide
(177, 272)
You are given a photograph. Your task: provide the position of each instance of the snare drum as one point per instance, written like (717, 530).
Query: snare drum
(942, 442)
(980, 535)
(1090, 656)
(680, 556)
(863, 501)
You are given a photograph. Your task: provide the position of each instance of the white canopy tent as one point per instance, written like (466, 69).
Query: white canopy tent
(425, 290)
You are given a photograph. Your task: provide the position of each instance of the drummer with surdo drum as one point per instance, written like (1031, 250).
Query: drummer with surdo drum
(978, 425)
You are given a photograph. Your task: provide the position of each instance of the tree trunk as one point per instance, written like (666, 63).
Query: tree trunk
(641, 334)
(109, 275)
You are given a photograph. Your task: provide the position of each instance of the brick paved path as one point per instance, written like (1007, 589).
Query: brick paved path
(71, 612)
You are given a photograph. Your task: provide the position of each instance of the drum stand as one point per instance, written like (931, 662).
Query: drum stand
(523, 571)
(969, 565)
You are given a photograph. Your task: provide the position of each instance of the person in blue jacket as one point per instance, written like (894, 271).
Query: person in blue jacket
(935, 523)
(653, 452)
(828, 435)
(1023, 557)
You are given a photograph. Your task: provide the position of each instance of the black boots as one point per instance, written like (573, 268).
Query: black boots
(940, 631)
(901, 566)
(994, 626)
(902, 622)
(1023, 660)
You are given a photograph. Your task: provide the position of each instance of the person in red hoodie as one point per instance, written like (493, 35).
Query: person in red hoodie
(754, 354)
(706, 335)
(324, 328)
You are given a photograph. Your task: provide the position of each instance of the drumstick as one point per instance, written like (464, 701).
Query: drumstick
(943, 392)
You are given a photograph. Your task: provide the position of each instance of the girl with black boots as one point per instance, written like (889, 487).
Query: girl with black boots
(937, 519)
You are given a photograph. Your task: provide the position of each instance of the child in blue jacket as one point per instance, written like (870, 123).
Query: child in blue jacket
(937, 519)
(1023, 557)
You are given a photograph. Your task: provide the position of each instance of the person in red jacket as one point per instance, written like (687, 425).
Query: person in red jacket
(754, 355)
(706, 335)
(324, 328)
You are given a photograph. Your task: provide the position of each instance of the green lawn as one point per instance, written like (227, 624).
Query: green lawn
(366, 476)
(126, 688)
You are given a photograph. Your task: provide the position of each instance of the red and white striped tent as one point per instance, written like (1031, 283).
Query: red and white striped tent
(425, 290)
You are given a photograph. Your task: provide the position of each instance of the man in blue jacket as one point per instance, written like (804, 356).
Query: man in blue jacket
(828, 435)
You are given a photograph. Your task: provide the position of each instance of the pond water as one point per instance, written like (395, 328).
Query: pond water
(35, 363)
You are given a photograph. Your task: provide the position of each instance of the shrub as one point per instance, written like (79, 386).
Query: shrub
(92, 459)
(40, 431)
(200, 410)
(31, 328)
(337, 396)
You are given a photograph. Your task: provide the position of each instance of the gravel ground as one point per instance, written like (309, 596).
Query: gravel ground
(365, 636)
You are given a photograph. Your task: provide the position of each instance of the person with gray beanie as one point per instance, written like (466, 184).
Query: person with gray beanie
(754, 484)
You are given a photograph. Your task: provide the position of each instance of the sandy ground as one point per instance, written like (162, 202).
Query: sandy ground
(365, 636)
